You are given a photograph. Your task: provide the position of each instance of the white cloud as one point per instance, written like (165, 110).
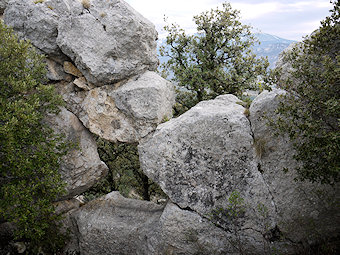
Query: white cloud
(295, 18)
(253, 11)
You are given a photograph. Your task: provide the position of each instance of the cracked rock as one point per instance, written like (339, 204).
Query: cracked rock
(125, 112)
(108, 42)
(297, 202)
(81, 167)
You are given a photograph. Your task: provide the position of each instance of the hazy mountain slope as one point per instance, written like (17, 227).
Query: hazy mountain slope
(270, 46)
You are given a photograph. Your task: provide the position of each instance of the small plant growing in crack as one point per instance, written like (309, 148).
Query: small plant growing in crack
(229, 218)
(260, 146)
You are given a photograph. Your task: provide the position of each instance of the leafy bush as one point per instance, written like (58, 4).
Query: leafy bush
(30, 151)
(310, 112)
(217, 60)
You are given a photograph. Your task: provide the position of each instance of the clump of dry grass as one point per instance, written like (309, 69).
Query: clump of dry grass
(246, 112)
(260, 146)
(86, 4)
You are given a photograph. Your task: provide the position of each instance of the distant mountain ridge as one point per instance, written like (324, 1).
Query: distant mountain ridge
(270, 46)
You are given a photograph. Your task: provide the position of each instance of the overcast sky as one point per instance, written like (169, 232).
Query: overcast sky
(289, 19)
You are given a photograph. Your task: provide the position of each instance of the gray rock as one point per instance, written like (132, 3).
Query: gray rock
(200, 158)
(3, 5)
(185, 232)
(203, 155)
(80, 168)
(36, 22)
(126, 112)
(305, 211)
(108, 42)
(117, 225)
(55, 71)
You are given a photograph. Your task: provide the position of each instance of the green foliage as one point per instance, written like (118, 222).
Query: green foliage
(29, 150)
(234, 210)
(217, 60)
(310, 112)
(125, 174)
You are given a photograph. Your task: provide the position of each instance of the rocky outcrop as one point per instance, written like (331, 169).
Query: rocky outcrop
(202, 157)
(116, 225)
(100, 53)
(305, 211)
(108, 41)
(126, 112)
(81, 168)
(220, 167)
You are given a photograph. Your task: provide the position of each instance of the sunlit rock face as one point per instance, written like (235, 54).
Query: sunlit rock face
(81, 168)
(101, 55)
(108, 41)
(125, 112)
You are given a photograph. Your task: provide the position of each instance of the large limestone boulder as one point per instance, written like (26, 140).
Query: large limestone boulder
(125, 112)
(305, 211)
(200, 158)
(81, 168)
(108, 41)
(116, 225)
(203, 157)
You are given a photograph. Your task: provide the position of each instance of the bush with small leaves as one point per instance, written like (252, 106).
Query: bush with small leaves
(30, 151)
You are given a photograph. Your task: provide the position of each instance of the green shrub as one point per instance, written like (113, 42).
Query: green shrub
(216, 60)
(310, 112)
(30, 151)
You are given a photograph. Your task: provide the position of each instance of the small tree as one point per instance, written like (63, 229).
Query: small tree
(29, 150)
(217, 60)
(310, 111)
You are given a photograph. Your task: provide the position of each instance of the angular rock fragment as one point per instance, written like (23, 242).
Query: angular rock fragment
(297, 203)
(81, 168)
(125, 112)
(107, 42)
(117, 225)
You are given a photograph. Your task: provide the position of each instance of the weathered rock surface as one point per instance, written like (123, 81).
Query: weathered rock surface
(311, 207)
(81, 167)
(125, 112)
(35, 22)
(116, 225)
(201, 157)
(3, 5)
(108, 42)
